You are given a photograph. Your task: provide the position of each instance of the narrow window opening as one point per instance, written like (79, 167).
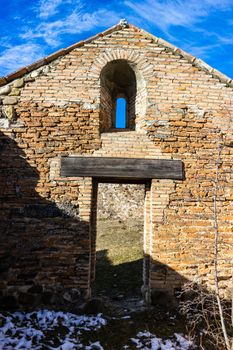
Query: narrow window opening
(118, 96)
(121, 113)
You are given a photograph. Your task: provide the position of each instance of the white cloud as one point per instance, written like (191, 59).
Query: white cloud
(48, 8)
(45, 30)
(203, 51)
(225, 40)
(184, 13)
(220, 4)
(75, 23)
(19, 56)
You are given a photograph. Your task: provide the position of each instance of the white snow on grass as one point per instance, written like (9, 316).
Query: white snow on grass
(56, 330)
(147, 341)
(66, 331)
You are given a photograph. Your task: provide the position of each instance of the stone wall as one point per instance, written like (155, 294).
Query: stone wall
(120, 201)
(48, 222)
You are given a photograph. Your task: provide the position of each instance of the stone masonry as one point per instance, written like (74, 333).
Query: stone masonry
(120, 201)
(63, 105)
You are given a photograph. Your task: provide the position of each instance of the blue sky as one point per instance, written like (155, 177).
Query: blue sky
(121, 113)
(33, 29)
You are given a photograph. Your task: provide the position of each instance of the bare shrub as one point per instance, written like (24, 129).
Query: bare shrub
(200, 308)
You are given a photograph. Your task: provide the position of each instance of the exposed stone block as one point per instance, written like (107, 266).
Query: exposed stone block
(10, 100)
(9, 112)
(19, 83)
(4, 123)
(5, 90)
(14, 92)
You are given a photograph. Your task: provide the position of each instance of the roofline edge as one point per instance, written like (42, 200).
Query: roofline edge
(197, 62)
(48, 59)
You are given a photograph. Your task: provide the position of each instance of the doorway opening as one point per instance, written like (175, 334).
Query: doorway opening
(119, 260)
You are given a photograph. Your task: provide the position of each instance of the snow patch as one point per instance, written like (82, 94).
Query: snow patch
(55, 330)
(148, 341)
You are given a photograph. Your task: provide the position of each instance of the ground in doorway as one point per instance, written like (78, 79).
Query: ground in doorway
(119, 259)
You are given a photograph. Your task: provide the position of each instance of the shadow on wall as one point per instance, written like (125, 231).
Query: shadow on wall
(44, 250)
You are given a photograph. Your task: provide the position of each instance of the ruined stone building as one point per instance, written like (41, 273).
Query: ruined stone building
(59, 140)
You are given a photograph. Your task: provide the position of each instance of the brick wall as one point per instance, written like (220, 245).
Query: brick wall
(183, 111)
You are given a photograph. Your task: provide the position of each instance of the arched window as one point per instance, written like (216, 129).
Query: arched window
(118, 96)
(121, 113)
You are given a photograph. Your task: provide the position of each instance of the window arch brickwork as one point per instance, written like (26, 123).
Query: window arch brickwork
(137, 103)
(118, 80)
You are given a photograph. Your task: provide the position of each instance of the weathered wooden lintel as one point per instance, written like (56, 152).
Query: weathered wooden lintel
(122, 168)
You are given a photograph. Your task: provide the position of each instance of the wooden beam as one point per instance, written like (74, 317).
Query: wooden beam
(122, 168)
